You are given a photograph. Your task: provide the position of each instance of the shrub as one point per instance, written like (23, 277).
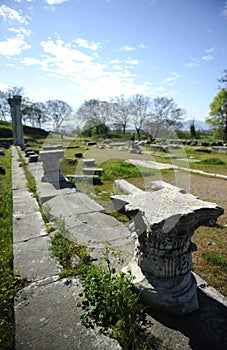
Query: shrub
(212, 161)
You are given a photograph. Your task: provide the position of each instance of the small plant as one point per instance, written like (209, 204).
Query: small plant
(63, 249)
(212, 161)
(215, 259)
(45, 212)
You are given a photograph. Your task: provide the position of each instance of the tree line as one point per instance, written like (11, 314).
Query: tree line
(35, 113)
(155, 117)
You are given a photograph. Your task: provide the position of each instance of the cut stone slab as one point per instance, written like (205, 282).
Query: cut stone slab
(89, 162)
(93, 171)
(47, 317)
(126, 187)
(159, 185)
(23, 203)
(98, 229)
(72, 204)
(150, 164)
(47, 191)
(27, 226)
(32, 259)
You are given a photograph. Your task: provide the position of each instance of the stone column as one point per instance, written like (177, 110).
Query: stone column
(164, 222)
(18, 133)
(51, 165)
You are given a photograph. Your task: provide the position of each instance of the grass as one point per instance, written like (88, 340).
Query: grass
(211, 243)
(9, 284)
(213, 161)
(215, 259)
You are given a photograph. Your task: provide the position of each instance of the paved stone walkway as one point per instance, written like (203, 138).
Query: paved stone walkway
(46, 314)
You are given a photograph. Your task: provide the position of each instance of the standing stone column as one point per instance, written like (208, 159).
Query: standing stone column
(164, 222)
(51, 158)
(15, 108)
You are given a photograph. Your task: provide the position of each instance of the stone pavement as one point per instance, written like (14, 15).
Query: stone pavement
(46, 314)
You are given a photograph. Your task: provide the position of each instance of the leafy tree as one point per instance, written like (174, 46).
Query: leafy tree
(139, 111)
(165, 117)
(218, 114)
(223, 79)
(58, 111)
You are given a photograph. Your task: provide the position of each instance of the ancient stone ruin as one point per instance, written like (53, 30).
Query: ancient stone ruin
(18, 133)
(163, 222)
(51, 157)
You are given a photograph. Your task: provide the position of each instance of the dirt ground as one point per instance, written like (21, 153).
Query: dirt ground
(212, 190)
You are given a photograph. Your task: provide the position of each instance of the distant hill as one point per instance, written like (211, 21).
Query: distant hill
(199, 125)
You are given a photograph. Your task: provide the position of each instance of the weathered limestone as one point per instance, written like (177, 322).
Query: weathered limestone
(126, 187)
(220, 149)
(18, 133)
(155, 147)
(133, 147)
(159, 185)
(164, 222)
(51, 166)
(93, 171)
(89, 162)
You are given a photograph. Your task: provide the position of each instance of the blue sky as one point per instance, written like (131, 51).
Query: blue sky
(75, 50)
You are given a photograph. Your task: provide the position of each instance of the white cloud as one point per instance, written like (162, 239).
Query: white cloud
(12, 15)
(93, 45)
(13, 46)
(64, 52)
(127, 48)
(21, 30)
(159, 88)
(174, 76)
(87, 75)
(129, 61)
(207, 58)
(54, 2)
(210, 50)
(224, 11)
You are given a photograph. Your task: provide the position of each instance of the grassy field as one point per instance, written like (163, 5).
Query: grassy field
(9, 284)
(211, 240)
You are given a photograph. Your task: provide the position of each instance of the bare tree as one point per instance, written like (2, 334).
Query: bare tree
(35, 113)
(165, 117)
(4, 106)
(58, 111)
(95, 113)
(121, 111)
(139, 111)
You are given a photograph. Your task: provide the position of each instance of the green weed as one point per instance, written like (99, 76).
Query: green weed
(212, 161)
(215, 259)
(108, 299)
